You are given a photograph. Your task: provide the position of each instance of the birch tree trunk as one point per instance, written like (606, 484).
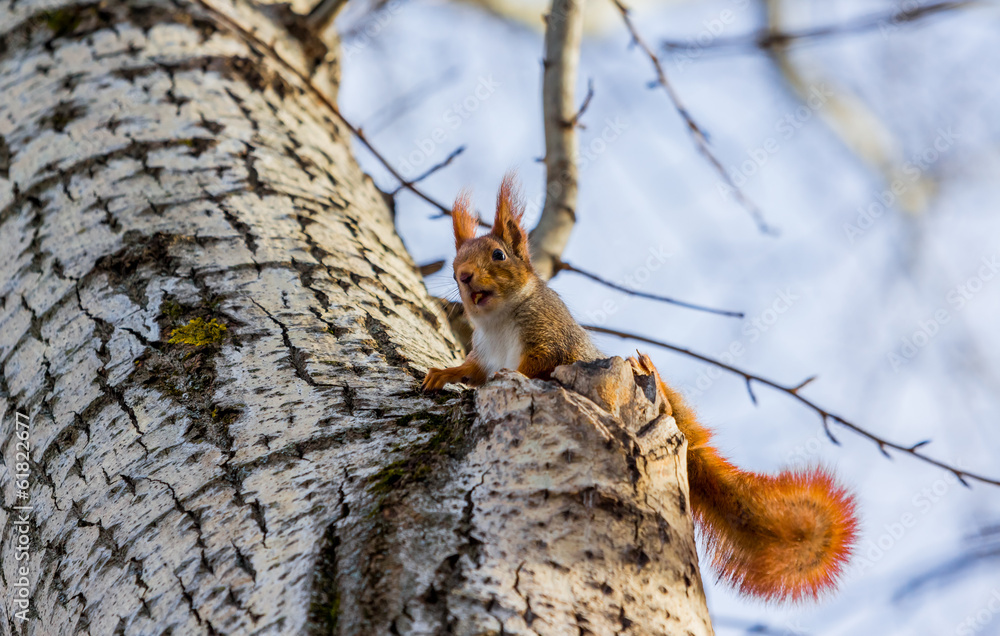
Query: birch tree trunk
(216, 339)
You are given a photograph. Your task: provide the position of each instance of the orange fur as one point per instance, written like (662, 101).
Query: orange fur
(783, 537)
(507, 225)
(462, 220)
(535, 366)
(469, 372)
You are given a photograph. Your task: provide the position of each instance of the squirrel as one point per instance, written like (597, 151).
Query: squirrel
(783, 537)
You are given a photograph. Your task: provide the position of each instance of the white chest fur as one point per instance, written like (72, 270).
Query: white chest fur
(496, 344)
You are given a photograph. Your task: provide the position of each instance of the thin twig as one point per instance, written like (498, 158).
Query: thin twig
(429, 171)
(563, 35)
(825, 415)
(321, 97)
(407, 102)
(697, 133)
(431, 268)
(323, 14)
(564, 266)
(575, 120)
(752, 627)
(766, 39)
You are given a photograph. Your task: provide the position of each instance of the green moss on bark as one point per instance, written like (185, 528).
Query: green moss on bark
(199, 333)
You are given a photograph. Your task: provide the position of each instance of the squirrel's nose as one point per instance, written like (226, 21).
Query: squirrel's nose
(465, 277)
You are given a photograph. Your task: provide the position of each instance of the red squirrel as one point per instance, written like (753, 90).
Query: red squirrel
(783, 537)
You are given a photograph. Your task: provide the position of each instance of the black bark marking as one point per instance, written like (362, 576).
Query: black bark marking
(63, 174)
(296, 356)
(350, 393)
(127, 268)
(324, 612)
(5, 158)
(64, 113)
(212, 127)
(389, 350)
(191, 515)
(243, 228)
(75, 22)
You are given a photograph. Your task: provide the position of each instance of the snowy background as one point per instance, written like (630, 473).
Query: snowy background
(896, 314)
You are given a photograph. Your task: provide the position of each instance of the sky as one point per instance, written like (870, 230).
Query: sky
(892, 305)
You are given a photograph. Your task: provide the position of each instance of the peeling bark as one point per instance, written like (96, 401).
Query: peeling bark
(272, 468)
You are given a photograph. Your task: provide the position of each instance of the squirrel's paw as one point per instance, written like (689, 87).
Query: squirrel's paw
(643, 365)
(435, 380)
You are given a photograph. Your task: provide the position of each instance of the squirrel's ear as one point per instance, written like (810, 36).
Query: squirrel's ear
(462, 219)
(507, 224)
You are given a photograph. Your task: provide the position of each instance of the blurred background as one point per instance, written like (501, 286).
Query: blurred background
(870, 141)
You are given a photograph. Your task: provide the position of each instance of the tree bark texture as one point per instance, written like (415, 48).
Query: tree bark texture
(217, 338)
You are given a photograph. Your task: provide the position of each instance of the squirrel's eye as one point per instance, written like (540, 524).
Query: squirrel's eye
(498, 255)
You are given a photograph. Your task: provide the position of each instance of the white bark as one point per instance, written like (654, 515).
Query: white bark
(563, 33)
(156, 166)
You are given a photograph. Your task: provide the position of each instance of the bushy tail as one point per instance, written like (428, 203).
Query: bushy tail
(784, 537)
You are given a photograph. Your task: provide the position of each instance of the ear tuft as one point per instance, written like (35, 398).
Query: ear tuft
(462, 220)
(507, 225)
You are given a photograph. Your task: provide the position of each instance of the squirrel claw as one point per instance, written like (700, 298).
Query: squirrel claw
(434, 380)
(643, 365)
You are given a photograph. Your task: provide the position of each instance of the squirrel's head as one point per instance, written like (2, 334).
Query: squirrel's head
(495, 268)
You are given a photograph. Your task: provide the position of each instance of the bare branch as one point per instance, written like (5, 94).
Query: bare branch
(827, 416)
(561, 265)
(752, 627)
(323, 14)
(697, 133)
(387, 114)
(803, 384)
(563, 33)
(767, 39)
(826, 429)
(429, 171)
(575, 121)
(431, 268)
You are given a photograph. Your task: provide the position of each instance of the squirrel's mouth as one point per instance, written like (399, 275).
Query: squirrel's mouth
(480, 297)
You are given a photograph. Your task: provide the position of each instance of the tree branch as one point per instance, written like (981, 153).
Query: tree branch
(454, 153)
(748, 627)
(825, 415)
(575, 121)
(323, 14)
(699, 136)
(767, 39)
(387, 114)
(564, 266)
(563, 34)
